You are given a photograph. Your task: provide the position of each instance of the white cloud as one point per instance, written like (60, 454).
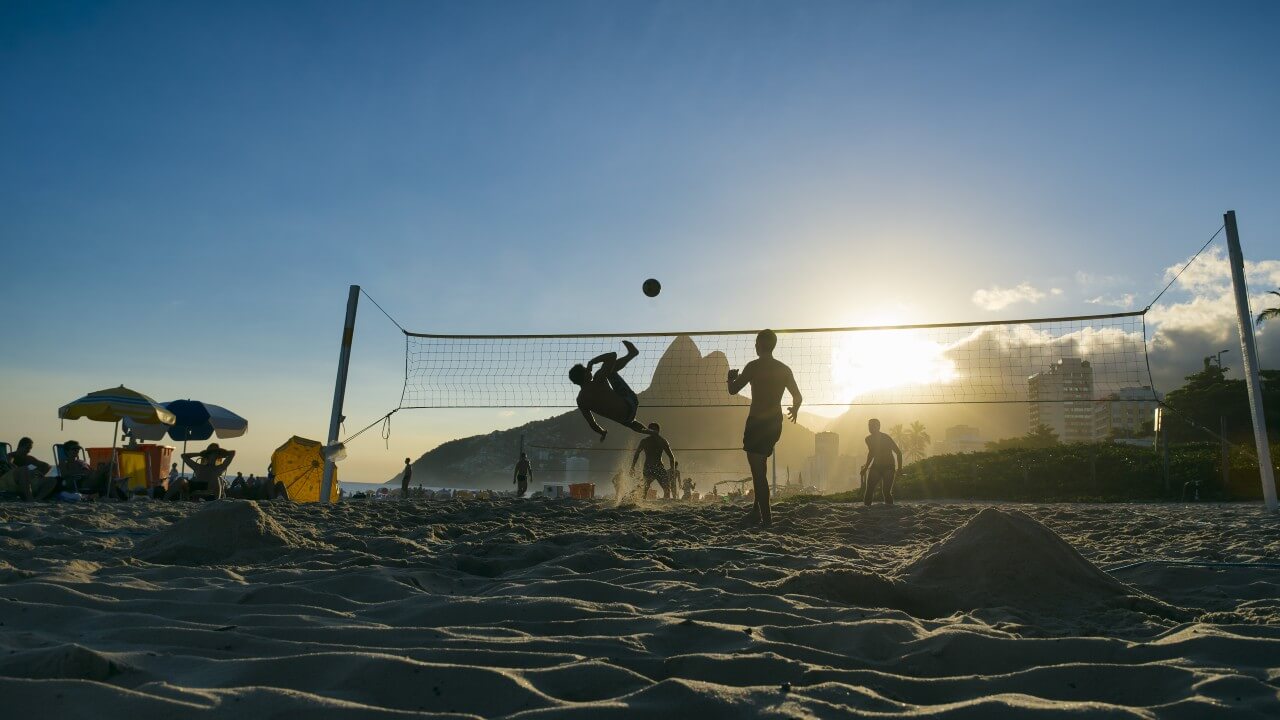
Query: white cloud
(1203, 320)
(998, 298)
(1124, 301)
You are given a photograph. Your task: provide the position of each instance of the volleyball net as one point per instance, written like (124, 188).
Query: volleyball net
(1093, 357)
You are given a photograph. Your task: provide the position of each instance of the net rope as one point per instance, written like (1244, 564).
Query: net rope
(1069, 359)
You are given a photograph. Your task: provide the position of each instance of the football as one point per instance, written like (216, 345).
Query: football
(652, 287)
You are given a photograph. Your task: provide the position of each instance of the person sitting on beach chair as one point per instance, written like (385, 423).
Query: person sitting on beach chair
(606, 393)
(207, 467)
(77, 476)
(23, 476)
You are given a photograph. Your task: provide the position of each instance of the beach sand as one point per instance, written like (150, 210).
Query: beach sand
(536, 608)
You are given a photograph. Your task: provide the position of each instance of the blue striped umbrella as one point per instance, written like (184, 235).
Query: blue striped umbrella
(194, 420)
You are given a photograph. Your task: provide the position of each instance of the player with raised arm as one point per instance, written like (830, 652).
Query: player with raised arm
(768, 378)
(606, 393)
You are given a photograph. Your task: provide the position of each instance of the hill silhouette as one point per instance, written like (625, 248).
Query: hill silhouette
(487, 460)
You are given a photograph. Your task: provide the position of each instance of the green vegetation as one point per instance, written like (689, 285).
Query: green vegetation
(1209, 397)
(1042, 437)
(1269, 313)
(1099, 472)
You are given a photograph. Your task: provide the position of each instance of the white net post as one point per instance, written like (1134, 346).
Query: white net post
(1249, 351)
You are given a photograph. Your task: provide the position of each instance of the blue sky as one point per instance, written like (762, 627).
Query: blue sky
(188, 188)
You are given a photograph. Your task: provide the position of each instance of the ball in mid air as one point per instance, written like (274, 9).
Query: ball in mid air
(652, 287)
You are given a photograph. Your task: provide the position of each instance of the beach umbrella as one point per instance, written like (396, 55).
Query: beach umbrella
(299, 464)
(195, 420)
(115, 405)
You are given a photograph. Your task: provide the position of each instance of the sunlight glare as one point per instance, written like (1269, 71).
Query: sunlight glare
(872, 360)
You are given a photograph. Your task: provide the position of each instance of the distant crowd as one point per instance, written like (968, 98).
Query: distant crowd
(26, 477)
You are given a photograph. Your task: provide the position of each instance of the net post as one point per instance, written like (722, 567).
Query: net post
(339, 390)
(1249, 351)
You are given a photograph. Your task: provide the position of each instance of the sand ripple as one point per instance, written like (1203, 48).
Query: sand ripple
(537, 608)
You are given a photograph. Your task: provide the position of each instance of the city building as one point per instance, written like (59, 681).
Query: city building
(1062, 398)
(1127, 413)
(827, 454)
(960, 439)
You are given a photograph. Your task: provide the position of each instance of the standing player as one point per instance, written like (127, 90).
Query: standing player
(523, 474)
(606, 392)
(881, 450)
(404, 480)
(653, 447)
(768, 377)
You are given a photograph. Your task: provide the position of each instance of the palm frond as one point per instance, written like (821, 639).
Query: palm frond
(1269, 313)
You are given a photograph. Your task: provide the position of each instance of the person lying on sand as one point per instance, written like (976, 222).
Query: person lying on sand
(606, 393)
(207, 467)
(768, 378)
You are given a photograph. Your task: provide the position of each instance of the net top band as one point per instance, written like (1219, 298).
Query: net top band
(854, 328)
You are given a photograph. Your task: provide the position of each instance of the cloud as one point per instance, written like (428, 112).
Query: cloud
(1203, 321)
(1088, 280)
(998, 298)
(1124, 301)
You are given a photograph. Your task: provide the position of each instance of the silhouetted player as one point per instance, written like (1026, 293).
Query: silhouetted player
(524, 473)
(768, 377)
(881, 450)
(653, 447)
(606, 392)
(405, 478)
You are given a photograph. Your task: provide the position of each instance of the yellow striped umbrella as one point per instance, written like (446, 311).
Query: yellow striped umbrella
(116, 404)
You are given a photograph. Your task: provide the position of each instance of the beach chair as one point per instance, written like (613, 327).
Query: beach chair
(59, 456)
(70, 484)
(5, 469)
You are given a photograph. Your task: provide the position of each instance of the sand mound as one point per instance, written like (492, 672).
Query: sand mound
(223, 530)
(1007, 558)
(72, 662)
(676, 610)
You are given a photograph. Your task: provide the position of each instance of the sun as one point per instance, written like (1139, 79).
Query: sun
(868, 361)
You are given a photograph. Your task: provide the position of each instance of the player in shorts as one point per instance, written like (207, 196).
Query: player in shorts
(653, 447)
(879, 469)
(768, 378)
(523, 474)
(606, 393)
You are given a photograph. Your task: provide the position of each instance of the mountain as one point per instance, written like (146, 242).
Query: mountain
(682, 372)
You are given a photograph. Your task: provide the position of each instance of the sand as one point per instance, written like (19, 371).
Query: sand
(541, 608)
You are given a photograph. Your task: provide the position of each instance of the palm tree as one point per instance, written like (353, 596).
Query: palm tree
(897, 434)
(915, 442)
(1270, 313)
(1041, 437)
